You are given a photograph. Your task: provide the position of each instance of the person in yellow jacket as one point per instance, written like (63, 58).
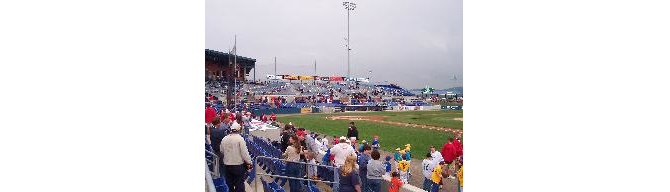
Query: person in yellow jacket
(436, 177)
(460, 179)
(460, 175)
(403, 168)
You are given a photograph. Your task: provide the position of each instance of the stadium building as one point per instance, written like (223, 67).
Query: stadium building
(218, 65)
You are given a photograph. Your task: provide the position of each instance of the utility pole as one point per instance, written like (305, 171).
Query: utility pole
(314, 72)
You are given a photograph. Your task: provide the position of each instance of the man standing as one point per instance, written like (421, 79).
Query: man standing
(310, 142)
(363, 166)
(236, 158)
(341, 151)
(352, 132)
(247, 122)
(209, 114)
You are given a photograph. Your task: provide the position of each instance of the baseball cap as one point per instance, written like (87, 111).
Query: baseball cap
(397, 149)
(235, 126)
(300, 133)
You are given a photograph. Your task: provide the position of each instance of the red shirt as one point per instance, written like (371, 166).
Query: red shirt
(264, 118)
(448, 152)
(232, 116)
(209, 114)
(458, 146)
(223, 116)
(273, 117)
(395, 185)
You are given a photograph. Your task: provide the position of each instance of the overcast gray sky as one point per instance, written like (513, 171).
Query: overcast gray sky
(411, 43)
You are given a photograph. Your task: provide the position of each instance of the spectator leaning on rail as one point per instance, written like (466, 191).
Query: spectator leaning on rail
(341, 151)
(349, 176)
(310, 142)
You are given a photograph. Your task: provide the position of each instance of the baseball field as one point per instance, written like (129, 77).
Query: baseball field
(421, 129)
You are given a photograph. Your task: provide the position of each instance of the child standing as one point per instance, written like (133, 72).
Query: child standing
(395, 182)
(436, 177)
(363, 143)
(387, 165)
(403, 168)
(397, 157)
(427, 166)
(375, 142)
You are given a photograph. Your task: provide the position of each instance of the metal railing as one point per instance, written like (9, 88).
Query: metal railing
(215, 164)
(209, 180)
(335, 182)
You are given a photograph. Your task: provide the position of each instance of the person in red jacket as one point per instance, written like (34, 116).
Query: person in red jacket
(210, 113)
(273, 117)
(457, 145)
(449, 153)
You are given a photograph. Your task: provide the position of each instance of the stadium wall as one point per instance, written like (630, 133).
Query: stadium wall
(445, 107)
(259, 112)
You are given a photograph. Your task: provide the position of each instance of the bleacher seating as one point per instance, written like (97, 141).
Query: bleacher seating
(258, 146)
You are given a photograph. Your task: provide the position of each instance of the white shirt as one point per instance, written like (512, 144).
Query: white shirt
(427, 167)
(234, 150)
(437, 156)
(324, 144)
(340, 153)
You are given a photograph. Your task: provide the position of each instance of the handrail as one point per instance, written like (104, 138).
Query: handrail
(215, 163)
(208, 179)
(335, 182)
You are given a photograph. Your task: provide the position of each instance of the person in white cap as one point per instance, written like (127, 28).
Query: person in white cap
(236, 158)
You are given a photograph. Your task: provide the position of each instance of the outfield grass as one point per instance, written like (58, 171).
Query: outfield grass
(441, 120)
(391, 136)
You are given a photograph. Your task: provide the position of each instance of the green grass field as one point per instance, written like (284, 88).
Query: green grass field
(391, 136)
(440, 119)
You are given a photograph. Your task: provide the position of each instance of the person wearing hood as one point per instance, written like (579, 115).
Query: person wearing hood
(341, 151)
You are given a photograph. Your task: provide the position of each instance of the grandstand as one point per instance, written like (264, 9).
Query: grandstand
(262, 95)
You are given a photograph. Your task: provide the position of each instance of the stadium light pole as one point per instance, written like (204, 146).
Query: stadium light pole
(349, 7)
